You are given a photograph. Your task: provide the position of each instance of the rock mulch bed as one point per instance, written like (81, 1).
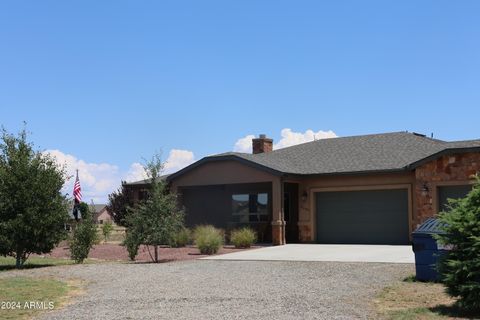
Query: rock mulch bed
(115, 252)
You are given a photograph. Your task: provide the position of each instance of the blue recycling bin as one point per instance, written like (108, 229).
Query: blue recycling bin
(427, 250)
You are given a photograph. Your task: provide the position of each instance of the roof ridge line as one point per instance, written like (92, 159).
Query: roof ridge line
(341, 137)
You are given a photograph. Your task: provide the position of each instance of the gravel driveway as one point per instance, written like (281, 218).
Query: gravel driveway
(204, 289)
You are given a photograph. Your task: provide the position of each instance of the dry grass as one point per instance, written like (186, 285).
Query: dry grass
(414, 300)
(116, 237)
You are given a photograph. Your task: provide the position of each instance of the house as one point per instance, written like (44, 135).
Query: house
(369, 189)
(102, 214)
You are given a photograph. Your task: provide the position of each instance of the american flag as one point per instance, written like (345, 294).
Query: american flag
(77, 191)
(77, 194)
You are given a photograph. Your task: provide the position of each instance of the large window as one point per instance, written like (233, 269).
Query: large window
(142, 195)
(251, 207)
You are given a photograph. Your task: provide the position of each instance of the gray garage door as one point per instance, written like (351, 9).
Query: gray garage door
(451, 192)
(363, 217)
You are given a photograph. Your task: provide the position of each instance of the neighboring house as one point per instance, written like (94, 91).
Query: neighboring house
(371, 189)
(102, 214)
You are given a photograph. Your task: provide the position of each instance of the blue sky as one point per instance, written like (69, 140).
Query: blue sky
(110, 82)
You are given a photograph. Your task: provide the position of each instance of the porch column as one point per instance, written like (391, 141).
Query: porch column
(278, 223)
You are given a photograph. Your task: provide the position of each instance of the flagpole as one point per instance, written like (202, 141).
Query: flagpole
(76, 196)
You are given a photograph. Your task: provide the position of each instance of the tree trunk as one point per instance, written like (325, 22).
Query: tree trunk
(19, 261)
(156, 254)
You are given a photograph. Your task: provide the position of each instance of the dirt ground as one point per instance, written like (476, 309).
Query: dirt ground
(416, 300)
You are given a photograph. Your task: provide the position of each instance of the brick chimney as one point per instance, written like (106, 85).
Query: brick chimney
(262, 144)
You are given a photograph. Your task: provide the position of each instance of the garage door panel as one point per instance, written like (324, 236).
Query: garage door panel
(367, 217)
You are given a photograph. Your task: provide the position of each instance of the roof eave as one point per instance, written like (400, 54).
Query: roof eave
(349, 173)
(145, 181)
(135, 183)
(441, 153)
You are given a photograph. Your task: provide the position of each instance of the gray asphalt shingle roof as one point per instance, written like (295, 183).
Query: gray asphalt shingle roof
(98, 207)
(357, 154)
(375, 152)
(146, 181)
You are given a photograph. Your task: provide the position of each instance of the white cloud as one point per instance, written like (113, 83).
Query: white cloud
(288, 138)
(178, 159)
(96, 179)
(135, 173)
(100, 179)
(244, 144)
(291, 138)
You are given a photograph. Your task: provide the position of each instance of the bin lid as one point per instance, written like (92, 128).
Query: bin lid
(430, 226)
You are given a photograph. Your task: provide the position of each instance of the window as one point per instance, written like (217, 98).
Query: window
(451, 192)
(142, 195)
(250, 207)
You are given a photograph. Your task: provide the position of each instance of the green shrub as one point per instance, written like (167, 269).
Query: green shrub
(208, 239)
(460, 268)
(131, 243)
(84, 236)
(107, 229)
(181, 238)
(243, 238)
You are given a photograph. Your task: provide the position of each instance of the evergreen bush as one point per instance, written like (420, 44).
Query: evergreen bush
(460, 267)
(84, 236)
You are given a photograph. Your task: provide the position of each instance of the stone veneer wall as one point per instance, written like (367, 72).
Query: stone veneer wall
(305, 223)
(305, 233)
(446, 169)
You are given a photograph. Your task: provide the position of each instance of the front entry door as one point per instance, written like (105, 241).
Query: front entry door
(290, 210)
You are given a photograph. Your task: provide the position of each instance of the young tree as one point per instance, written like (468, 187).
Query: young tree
(33, 211)
(84, 235)
(118, 202)
(460, 268)
(155, 220)
(107, 229)
(132, 244)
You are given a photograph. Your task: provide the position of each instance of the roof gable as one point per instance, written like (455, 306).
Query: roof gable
(231, 156)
